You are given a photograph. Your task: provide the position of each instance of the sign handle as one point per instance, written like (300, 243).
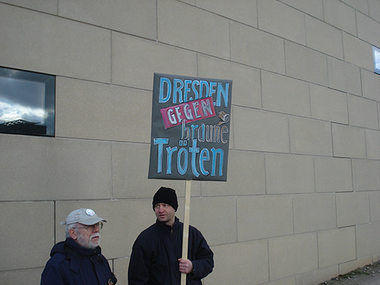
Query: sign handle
(186, 221)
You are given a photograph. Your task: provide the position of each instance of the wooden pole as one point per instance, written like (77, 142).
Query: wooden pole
(186, 221)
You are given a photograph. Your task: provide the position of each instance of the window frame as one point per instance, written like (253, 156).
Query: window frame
(27, 102)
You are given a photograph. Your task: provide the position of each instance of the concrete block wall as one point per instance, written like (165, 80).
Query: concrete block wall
(301, 203)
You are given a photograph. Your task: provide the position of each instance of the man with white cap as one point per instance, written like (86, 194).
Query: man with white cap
(78, 259)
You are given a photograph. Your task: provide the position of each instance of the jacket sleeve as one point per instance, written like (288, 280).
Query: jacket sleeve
(203, 257)
(138, 271)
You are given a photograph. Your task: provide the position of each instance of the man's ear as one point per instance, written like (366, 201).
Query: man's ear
(73, 234)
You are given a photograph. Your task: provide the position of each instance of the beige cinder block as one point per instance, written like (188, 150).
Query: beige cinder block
(308, 136)
(333, 174)
(357, 51)
(54, 45)
(348, 141)
(340, 15)
(215, 217)
(366, 174)
(292, 255)
(246, 176)
(352, 208)
(244, 11)
(374, 202)
(287, 174)
(344, 76)
(362, 112)
(371, 85)
(105, 112)
(264, 216)
(314, 212)
(362, 6)
(323, 37)
(246, 87)
(120, 269)
(132, 17)
(245, 263)
(372, 142)
(285, 281)
(210, 36)
(317, 276)
(54, 168)
(347, 266)
(305, 63)
(22, 276)
(130, 162)
(43, 5)
(135, 60)
(367, 240)
(374, 7)
(261, 131)
(282, 20)
(368, 29)
(336, 246)
(285, 95)
(257, 48)
(312, 7)
(328, 104)
(29, 226)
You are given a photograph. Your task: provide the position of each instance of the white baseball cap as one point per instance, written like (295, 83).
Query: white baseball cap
(83, 216)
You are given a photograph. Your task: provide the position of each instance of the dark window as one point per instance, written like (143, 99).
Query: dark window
(27, 102)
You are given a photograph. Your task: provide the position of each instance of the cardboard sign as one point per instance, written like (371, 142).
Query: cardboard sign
(190, 128)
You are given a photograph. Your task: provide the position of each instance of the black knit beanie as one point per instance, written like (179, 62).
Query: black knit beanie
(167, 196)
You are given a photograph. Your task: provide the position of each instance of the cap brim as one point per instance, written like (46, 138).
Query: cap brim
(91, 221)
(88, 222)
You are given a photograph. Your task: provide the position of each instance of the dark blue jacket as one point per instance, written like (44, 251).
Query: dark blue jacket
(155, 254)
(72, 264)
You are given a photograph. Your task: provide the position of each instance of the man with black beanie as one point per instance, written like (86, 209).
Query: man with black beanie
(156, 253)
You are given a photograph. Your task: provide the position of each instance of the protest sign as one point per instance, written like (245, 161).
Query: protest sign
(190, 128)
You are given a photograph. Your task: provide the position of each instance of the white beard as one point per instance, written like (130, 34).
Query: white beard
(88, 243)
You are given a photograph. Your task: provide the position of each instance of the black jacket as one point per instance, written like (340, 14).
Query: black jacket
(72, 264)
(155, 254)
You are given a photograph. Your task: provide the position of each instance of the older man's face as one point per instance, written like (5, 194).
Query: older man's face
(87, 236)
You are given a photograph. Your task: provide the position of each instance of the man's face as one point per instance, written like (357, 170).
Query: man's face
(165, 213)
(87, 236)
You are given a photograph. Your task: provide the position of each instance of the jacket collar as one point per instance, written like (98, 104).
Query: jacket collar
(79, 250)
(166, 228)
(72, 248)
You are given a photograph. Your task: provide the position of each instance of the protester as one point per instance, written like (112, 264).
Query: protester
(156, 253)
(78, 260)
